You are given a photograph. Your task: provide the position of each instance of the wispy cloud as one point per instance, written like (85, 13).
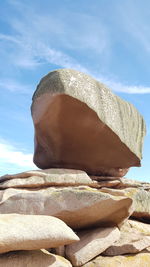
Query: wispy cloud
(46, 41)
(13, 159)
(14, 86)
(69, 29)
(29, 56)
(118, 87)
(122, 88)
(6, 37)
(58, 58)
(134, 16)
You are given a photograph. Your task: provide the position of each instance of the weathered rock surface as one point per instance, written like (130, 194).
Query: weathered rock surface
(56, 177)
(58, 251)
(27, 232)
(35, 258)
(91, 244)
(77, 206)
(112, 191)
(50, 177)
(147, 250)
(137, 260)
(135, 236)
(140, 194)
(82, 201)
(141, 203)
(128, 183)
(81, 124)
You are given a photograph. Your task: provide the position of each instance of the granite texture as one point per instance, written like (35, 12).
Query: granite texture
(79, 123)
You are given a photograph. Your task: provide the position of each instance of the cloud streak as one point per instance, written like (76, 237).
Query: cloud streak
(13, 159)
(49, 37)
(135, 21)
(14, 86)
(44, 54)
(122, 88)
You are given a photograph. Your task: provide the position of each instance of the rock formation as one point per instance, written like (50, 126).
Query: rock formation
(79, 206)
(110, 223)
(80, 124)
(78, 210)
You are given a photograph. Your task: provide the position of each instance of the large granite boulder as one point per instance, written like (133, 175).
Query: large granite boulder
(80, 124)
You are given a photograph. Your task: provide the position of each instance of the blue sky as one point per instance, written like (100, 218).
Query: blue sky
(107, 39)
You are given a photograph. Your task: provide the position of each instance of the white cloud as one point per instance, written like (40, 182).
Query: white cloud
(58, 58)
(6, 37)
(70, 29)
(20, 52)
(37, 45)
(122, 88)
(29, 56)
(131, 89)
(14, 86)
(49, 36)
(13, 159)
(134, 19)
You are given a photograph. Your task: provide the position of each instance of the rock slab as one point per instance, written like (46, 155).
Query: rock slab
(79, 207)
(28, 232)
(33, 258)
(138, 260)
(135, 237)
(92, 243)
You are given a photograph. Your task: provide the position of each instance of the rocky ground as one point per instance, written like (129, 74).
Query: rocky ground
(64, 217)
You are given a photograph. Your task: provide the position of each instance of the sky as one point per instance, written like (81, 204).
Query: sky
(110, 40)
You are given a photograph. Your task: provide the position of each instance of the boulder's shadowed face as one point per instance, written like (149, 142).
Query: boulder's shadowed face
(69, 134)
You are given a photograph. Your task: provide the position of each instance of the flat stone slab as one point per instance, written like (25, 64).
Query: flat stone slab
(140, 194)
(141, 203)
(33, 258)
(138, 260)
(27, 232)
(135, 237)
(49, 177)
(92, 243)
(79, 207)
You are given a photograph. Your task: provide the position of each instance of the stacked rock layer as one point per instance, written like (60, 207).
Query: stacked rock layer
(64, 217)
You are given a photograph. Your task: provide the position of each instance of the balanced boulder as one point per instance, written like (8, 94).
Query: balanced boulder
(80, 124)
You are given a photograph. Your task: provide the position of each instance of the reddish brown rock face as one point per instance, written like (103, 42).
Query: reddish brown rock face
(69, 134)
